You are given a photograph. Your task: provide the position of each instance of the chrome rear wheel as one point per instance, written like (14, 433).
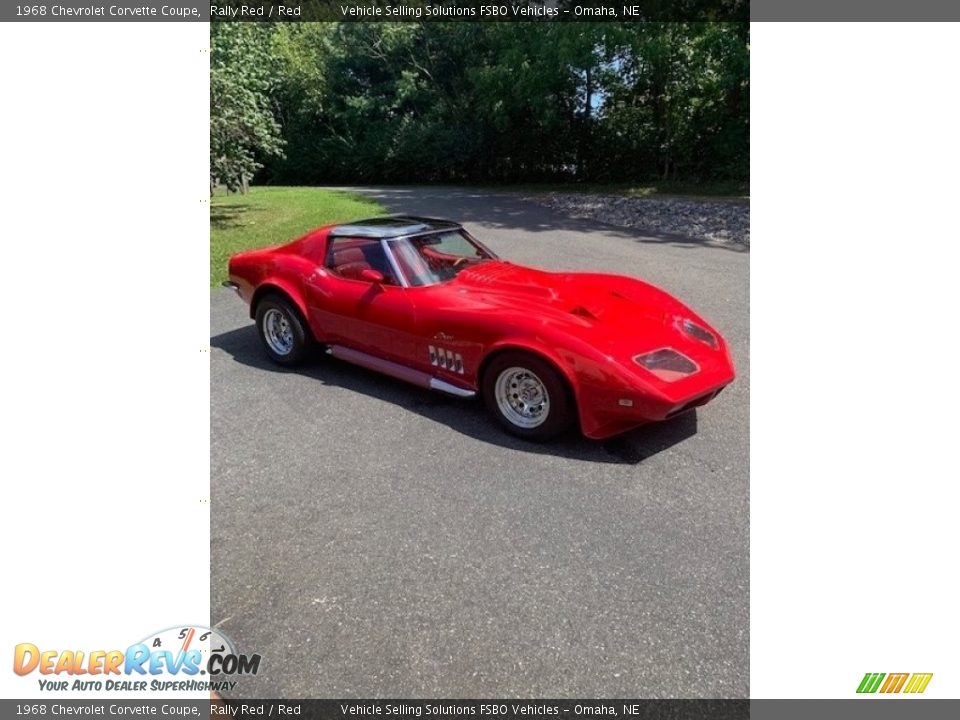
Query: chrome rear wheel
(277, 332)
(281, 330)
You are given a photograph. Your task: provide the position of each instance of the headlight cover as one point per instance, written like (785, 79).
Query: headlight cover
(667, 364)
(698, 332)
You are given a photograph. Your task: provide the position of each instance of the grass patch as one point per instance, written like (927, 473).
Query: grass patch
(273, 216)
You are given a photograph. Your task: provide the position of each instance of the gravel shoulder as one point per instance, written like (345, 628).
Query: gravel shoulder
(725, 222)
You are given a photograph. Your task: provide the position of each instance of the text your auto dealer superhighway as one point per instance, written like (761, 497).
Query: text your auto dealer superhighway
(117, 11)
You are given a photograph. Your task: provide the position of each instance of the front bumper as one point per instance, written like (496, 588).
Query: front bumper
(606, 411)
(232, 285)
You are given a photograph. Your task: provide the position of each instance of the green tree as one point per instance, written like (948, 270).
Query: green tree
(242, 125)
(468, 102)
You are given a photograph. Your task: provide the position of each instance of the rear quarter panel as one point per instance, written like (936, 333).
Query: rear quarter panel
(284, 269)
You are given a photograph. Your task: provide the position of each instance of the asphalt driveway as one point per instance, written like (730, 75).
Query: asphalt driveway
(369, 538)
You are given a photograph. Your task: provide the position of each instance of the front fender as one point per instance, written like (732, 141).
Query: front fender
(528, 345)
(597, 382)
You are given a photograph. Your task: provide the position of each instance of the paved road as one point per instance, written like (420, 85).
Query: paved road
(369, 538)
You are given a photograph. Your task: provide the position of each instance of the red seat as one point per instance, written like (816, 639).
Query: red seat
(344, 256)
(349, 262)
(352, 270)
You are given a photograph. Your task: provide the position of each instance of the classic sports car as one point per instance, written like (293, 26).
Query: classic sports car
(421, 300)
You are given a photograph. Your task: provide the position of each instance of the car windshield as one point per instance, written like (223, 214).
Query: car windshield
(436, 257)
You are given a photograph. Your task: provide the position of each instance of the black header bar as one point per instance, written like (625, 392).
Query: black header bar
(626, 11)
(618, 11)
(622, 11)
(257, 709)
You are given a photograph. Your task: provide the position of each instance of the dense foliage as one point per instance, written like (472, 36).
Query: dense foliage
(242, 122)
(481, 102)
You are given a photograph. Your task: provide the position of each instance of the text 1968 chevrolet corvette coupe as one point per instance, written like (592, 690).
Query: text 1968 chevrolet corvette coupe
(421, 300)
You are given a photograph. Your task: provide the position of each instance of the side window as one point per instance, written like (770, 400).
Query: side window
(348, 257)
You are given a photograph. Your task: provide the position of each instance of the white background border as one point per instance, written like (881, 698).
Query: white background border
(855, 155)
(105, 246)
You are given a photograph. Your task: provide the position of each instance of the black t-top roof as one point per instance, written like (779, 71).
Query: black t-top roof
(392, 226)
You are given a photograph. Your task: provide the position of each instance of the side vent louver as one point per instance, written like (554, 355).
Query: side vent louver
(446, 359)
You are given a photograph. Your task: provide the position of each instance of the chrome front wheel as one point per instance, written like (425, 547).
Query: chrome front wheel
(522, 397)
(527, 395)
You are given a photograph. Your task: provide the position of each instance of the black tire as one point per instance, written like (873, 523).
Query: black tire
(282, 332)
(527, 373)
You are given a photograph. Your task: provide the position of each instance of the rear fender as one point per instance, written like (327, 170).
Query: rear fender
(281, 287)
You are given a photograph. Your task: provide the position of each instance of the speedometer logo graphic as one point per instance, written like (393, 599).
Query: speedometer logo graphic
(206, 648)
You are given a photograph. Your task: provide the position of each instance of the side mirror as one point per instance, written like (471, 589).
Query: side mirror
(371, 275)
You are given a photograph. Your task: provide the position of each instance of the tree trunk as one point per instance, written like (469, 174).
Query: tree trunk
(583, 141)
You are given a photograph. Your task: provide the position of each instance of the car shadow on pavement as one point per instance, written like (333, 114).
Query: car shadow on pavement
(468, 417)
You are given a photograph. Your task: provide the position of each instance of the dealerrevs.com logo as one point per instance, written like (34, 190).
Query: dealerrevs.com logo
(182, 659)
(894, 683)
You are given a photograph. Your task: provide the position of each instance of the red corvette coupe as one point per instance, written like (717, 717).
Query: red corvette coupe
(421, 300)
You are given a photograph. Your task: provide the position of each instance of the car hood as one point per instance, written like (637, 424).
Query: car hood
(618, 315)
